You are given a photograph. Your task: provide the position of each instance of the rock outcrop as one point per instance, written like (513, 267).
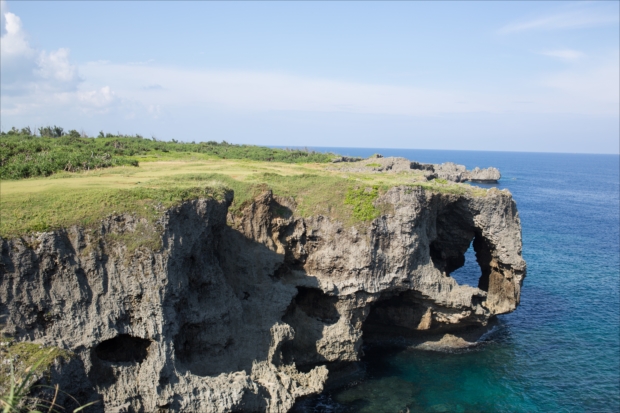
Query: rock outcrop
(484, 175)
(458, 173)
(448, 171)
(250, 312)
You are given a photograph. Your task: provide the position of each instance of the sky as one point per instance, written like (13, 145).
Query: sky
(501, 76)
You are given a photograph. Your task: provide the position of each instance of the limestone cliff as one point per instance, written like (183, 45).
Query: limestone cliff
(247, 313)
(448, 171)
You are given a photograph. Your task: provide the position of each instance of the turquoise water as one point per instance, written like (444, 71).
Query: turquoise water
(560, 350)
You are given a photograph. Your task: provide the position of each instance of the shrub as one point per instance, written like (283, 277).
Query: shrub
(24, 156)
(362, 200)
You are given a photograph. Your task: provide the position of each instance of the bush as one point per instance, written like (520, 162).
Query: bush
(362, 200)
(23, 155)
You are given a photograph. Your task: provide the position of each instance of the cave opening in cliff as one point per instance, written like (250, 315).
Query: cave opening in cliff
(470, 272)
(485, 260)
(474, 267)
(398, 314)
(459, 249)
(316, 304)
(123, 349)
(309, 312)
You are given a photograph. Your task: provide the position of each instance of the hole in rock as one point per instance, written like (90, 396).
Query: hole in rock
(485, 259)
(394, 314)
(123, 348)
(405, 315)
(462, 253)
(316, 304)
(209, 349)
(309, 312)
(470, 272)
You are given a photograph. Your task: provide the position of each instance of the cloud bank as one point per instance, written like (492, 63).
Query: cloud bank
(33, 80)
(573, 19)
(564, 54)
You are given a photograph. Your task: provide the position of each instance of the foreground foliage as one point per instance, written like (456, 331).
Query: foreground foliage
(24, 156)
(23, 364)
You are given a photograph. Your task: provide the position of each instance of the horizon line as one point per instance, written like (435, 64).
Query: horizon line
(456, 150)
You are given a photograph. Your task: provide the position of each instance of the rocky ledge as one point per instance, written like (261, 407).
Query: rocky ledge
(448, 171)
(249, 313)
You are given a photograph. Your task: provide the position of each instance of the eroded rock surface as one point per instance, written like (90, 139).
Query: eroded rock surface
(249, 313)
(449, 171)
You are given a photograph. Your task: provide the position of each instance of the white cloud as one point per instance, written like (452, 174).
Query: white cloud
(33, 80)
(55, 65)
(255, 91)
(564, 54)
(97, 98)
(26, 70)
(592, 88)
(17, 58)
(584, 89)
(14, 42)
(573, 19)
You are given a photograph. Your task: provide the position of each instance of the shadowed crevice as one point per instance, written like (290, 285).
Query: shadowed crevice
(309, 313)
(123, 349)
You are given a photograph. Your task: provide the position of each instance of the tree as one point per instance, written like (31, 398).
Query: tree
(51, 131)
(58, 131)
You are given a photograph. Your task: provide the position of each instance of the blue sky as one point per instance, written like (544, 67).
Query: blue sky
(514, 76)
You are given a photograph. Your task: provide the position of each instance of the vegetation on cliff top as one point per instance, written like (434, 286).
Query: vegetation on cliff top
(164, 179)
(362, 201)
(25, 156)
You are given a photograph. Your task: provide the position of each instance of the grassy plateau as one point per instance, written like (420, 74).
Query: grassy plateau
(49, 183)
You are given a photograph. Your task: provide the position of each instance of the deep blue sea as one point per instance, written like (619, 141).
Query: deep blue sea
(560, 350)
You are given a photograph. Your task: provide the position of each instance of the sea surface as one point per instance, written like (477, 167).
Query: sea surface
(560, 350)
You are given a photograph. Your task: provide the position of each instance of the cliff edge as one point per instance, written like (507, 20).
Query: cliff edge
(249, 312)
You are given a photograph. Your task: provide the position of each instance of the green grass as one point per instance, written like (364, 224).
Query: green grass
(26, 357)
(362, 199)
(23, 364)
(373, 165)
(84, 198)
(312, 194)
(24, 156)
(49, 210)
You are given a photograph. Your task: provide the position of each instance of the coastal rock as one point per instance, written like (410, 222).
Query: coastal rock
(345, 159)
(448, 171)
(379, 164)
(451, 172)
(484, 175)
(251, 312)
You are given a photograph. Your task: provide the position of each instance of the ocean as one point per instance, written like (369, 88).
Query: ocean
(560, 350)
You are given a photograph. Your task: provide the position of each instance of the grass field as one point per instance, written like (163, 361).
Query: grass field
(162, 180)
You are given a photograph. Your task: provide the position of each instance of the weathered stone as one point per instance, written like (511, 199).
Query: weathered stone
(251, 315)
(449, 170)
(484, 175)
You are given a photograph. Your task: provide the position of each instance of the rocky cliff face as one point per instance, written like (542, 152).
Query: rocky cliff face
(249, 313)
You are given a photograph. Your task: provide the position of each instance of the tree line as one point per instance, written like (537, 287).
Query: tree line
(24, 155)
